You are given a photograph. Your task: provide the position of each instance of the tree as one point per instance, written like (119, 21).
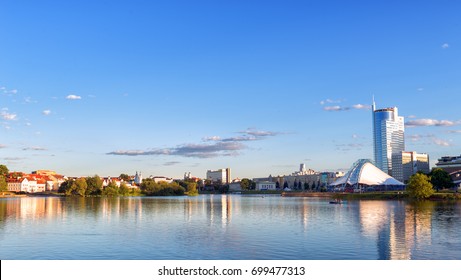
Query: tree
(111, 190)
(79, 187)
(419, 187)
(3, 184)
(192, 189)
(4, 170)
(440, 179)
(3, 175)
(73, 187)
(124, 190)
(94, 185)
(245, 184)
(150, 187)
(125, 177)
(306, 186)
(285, 185)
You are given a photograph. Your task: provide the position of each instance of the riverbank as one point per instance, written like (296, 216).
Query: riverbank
(441, 196)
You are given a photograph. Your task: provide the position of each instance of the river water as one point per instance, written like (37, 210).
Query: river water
(226, 227)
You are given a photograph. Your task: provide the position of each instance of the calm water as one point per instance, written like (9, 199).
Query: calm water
(227, 227)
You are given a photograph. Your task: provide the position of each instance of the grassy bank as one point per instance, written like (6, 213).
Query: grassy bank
(441, 196)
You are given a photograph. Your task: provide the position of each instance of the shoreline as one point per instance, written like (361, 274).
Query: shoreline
(441, 196)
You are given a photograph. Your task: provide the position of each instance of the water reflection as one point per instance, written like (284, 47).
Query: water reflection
(217, 226)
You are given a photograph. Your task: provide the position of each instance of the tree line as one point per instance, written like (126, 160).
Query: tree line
(422, 186)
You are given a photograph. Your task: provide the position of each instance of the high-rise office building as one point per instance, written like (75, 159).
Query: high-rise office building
(388, 136)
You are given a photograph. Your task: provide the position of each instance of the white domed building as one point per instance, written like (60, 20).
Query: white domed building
(365, 176)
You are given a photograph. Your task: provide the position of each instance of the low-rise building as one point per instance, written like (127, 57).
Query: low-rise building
(158, 179)
(450, 163)
(265, 186)
(18, 185)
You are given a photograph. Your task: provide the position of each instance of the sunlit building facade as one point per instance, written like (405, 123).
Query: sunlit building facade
(388, 136)
(405, 164)
(221, 176)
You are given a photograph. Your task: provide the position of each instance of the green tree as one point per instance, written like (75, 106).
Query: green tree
(125, 177)
(124, 190)
(73, 187)
(94, 185)
(66, 187)
(3, 175)
(79, 187)
(111, 190)
(3, 184)
(4, 170)
(151, 188)
(440, 179)
(192, 189)
(419, 187)
(245, 184)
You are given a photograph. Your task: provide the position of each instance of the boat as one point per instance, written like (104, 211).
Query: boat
(336, 201)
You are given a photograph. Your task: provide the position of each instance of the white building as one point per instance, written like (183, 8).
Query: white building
(265, 186)
(18, 185)
(220, 176)
(158, 179)
(138, 178)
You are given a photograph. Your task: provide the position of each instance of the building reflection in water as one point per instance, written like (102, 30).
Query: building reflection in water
(219, 209)
(399, 229)
(398, 226)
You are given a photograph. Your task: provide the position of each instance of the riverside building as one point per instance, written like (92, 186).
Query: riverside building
(449, 163)
(405, 164)
(221, 176)
(388, 136)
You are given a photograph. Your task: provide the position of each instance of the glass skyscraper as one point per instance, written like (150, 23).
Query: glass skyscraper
(388, 136)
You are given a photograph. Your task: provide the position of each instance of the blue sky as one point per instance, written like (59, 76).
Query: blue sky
(167, 87)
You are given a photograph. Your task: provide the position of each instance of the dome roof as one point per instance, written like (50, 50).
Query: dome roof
(365, 173)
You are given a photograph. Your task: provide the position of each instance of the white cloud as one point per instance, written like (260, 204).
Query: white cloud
(441, 142)
(212, 138)
(445, 46)
(215, 146)
(335, 108)
(420, 89)
(190, 150)
(46, 112)
(430, 122)
(329, 101)
(2, 146)
(259, 133)
(34, 148)
(361, 107)
(429, 139)
(73, 97)
(7, 116)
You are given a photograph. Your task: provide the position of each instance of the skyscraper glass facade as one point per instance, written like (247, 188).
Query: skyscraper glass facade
(388, 136)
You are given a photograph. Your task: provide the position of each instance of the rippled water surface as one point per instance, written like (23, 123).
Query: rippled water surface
(226, 227)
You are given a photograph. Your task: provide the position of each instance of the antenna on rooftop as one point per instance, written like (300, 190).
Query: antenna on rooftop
(373, 106)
